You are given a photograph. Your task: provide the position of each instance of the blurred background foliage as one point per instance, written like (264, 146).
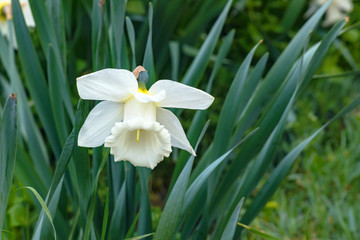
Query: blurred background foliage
(319, 198)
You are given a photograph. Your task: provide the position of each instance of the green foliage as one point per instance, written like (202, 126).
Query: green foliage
(246, 152)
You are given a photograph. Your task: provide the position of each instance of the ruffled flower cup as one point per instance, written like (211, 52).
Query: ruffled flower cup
(131, 120)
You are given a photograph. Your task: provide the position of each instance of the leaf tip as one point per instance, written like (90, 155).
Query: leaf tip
(13, 96)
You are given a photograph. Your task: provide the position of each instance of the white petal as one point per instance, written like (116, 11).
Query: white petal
(28, 14)
(152, 145)
(332, 16)
(173, 125)
(107, 84)
(146, 97)
(4, 28)
(179, 95)
(98, 124)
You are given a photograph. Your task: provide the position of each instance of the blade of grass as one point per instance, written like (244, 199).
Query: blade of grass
(257, 232)
(43, 205)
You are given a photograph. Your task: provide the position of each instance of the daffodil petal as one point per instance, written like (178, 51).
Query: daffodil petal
(146, 98)
(179, 95)
(28, 14)
(4, 28)
(99, 123)
(107, 84)
(173, 125)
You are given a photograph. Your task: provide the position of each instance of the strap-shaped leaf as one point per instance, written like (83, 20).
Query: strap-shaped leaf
(284, 167)
(34, 76)
(8, 135)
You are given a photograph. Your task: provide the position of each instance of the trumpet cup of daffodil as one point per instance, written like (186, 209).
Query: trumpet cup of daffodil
(6, 14)
(337, 10)
(131, 120)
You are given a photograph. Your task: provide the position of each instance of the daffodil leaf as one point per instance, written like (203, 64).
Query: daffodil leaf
(45, 30)
(303, 72)
(27, 125)
(56, 78)
(106, 216)
(132, 227)
(292, 13)
(172, 211)
(170, 216)
(227, 117)
(199, 64)
(175, 59)
(322, 50)
(277, 74)
(98, 35)
(284, 167)
(117, 15)
(148, 61)
(200, 116)
(117, 223)
(91, 208)
(231, 225)
(48, 36)
(56, 184)
(131, 35)
(35, 77)
(8, 135)
(144, 225)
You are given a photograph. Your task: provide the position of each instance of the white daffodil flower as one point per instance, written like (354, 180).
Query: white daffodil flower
(132, 120)
(337, 10)
(6, 14)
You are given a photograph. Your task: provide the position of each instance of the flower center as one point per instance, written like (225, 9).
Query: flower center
(3, 10)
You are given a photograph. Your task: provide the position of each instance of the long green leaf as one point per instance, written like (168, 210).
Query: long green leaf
(231, 225)
(8, 135)
(148, 61)
(172, 211)
(91, 209)
(170, 216)
(200, 116)
(27, 124)
(284, 167)
(56, 79)
(199, 64)
(117, 14)
(279, 71)
(34, 76)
